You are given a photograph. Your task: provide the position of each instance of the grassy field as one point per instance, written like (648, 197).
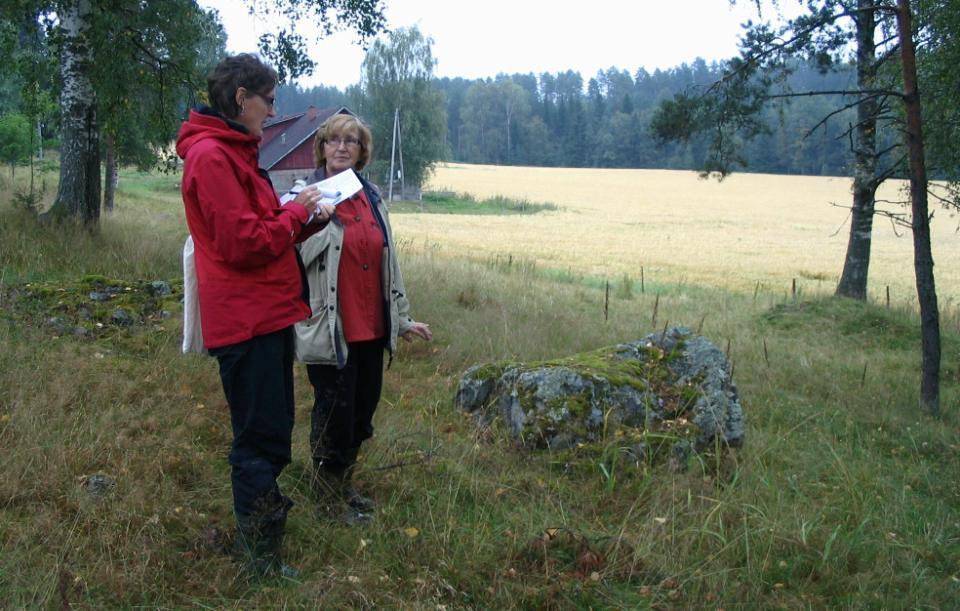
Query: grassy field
(844, 496)
(748, 229)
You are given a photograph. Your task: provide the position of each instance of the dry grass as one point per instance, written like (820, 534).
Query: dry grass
(747, 229)
(843, 496)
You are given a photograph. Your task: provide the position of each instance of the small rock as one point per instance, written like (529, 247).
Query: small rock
(100, 296)
(57, 324)
(679, 454)
(99, 485)
(160, 288)
(81, 331)
(122, 318)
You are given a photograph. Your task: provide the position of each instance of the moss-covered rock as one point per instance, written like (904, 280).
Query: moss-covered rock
(672, 385)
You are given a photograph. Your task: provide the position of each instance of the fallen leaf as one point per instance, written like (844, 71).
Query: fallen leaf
(353, 579)
(660, 520)
(411, 532)
(499, 492)
(550, 533)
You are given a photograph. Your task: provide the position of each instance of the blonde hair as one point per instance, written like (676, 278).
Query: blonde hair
(336, 125)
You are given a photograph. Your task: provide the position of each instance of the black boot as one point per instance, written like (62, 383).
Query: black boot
(354, 498)
(259, 542)
(350, 494)
(336, 497)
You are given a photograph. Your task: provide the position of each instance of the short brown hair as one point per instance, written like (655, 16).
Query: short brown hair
(335, 125)
(236, 71)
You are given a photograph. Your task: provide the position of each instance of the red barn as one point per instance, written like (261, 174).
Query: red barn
(286, 149)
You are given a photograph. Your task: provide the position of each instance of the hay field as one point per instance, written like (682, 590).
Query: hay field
(747, 229)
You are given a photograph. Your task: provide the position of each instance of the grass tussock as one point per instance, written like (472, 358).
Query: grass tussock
(843, 495)
(447, 202)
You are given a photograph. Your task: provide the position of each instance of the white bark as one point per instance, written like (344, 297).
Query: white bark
(79, 192)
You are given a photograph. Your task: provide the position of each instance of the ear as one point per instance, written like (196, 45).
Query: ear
(240, 95)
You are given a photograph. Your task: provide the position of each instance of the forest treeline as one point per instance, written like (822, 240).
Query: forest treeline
(561, 120)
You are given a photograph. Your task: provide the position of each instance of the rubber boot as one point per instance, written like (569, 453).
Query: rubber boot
(333, 501)
(351, 496)
(259, 542)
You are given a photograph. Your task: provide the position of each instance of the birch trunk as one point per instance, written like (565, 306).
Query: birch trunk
(78, 196)
(856, 264)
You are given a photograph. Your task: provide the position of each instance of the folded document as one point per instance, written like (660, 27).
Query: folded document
(333, 190)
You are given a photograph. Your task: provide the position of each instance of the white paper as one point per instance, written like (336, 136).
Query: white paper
(333, 190)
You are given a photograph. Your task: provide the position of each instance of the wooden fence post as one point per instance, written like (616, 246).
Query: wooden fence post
(606, 302)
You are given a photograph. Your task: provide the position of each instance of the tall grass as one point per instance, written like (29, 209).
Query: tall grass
(843, 496)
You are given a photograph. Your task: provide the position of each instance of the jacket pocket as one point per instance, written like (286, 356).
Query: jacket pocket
(318, 278)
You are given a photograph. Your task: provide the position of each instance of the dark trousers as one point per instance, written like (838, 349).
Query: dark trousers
(344, 402)
(257, 377)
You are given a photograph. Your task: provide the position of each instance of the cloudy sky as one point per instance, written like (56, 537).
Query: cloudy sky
(481, 39)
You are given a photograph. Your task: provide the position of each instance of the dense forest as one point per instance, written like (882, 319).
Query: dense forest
(560, 120)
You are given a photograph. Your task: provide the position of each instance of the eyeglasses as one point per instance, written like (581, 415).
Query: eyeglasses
(268, 99)
(348, 141)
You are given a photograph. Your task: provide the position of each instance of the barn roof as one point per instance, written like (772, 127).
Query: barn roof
(299, 128)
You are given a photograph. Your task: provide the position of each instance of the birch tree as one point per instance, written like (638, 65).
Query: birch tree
(118, 56)
(732, 106)
(398, 74)
(730, 110)
(78, 194)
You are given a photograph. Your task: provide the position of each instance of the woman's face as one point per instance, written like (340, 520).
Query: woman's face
(256, 108)
(342, 151)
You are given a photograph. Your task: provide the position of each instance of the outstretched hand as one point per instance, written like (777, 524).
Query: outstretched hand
(419, 329)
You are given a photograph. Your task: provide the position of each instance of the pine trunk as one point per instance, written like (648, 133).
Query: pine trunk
(78, 196)
(856, 265)
(111, 176)
(922, 255)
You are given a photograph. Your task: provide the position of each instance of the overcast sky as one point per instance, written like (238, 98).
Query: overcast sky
(481, 39)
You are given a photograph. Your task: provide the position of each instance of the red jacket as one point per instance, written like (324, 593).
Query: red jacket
(247, 272)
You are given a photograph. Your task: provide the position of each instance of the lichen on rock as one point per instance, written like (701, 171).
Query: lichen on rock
(671, 385)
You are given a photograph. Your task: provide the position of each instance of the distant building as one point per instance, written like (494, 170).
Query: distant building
(286, 149)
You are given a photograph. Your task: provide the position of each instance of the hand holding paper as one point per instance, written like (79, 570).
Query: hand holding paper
(332, 191)
(338, 187)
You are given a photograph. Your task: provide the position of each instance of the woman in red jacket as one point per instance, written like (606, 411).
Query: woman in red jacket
(250, 290)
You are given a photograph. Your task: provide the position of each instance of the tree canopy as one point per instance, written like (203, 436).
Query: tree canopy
(397, 84)
(125, 72)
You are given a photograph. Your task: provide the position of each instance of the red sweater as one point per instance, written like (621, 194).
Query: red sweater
(359, 277)
(247, 272)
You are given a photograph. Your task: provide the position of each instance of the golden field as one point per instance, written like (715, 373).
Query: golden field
(746, 229)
